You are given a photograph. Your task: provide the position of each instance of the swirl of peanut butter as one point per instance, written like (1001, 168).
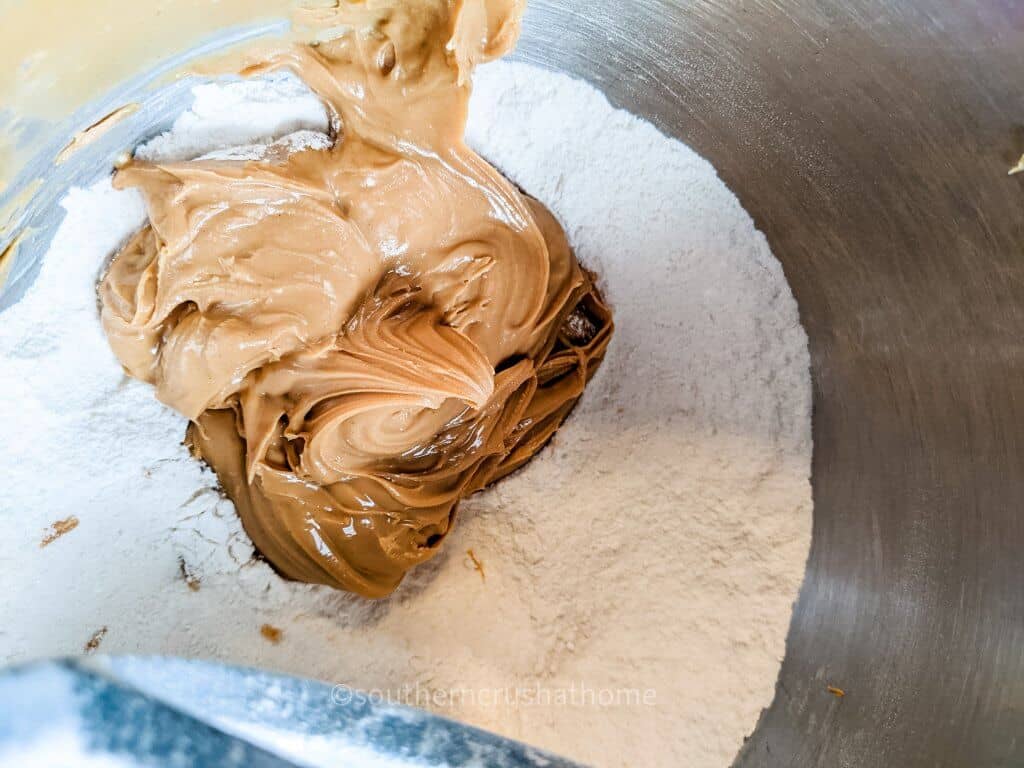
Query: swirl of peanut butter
(360, 335)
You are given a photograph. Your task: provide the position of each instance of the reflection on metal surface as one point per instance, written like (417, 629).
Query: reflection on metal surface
(869, 139)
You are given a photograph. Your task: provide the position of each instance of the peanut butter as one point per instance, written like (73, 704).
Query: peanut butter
(360, 335)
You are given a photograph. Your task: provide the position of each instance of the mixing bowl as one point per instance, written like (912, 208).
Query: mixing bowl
(870, 140)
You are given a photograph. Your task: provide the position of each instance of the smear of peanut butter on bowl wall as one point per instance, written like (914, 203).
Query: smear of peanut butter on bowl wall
(58, 55)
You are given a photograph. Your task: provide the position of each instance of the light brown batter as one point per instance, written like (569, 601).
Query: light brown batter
(365, 334)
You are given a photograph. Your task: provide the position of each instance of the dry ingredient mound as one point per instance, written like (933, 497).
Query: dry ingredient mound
(650, 555)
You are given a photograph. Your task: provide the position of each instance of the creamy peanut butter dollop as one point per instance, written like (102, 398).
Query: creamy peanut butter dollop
(360, 335)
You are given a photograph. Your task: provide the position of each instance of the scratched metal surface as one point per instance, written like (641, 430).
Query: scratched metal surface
(871, 141)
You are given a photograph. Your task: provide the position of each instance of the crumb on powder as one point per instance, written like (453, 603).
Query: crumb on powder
(58, 529)
(190, 579)
(271, 633)
(95, 640)
(477, 565)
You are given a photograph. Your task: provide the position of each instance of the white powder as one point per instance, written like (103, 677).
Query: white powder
(243, 113)
(653, 550)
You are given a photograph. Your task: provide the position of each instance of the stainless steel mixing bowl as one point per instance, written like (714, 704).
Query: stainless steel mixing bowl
(870, 140)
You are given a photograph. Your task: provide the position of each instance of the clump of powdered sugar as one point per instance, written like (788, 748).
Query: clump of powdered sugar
(623, 600)
(247, 112)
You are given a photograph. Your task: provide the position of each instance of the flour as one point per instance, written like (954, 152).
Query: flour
(628, 593)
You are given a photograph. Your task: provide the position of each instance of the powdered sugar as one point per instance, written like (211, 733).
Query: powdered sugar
(241, 113)
(656, 545)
